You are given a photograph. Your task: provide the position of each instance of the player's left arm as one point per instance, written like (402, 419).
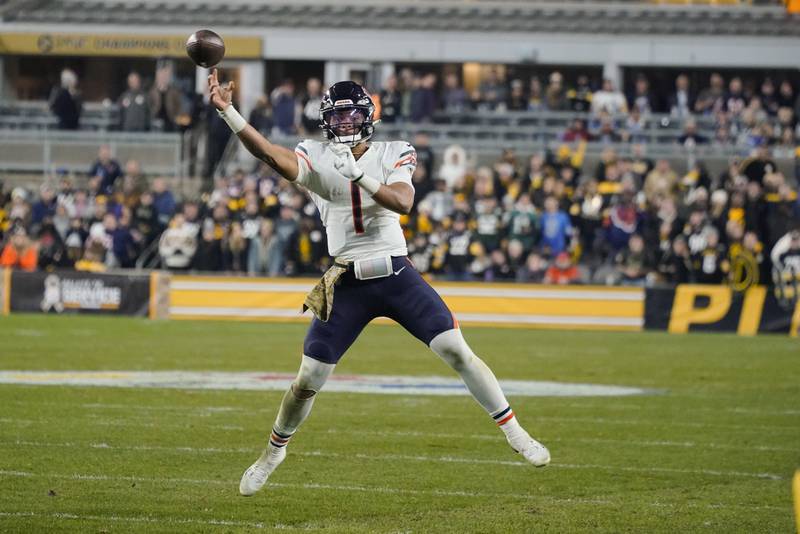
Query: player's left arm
(398, 197)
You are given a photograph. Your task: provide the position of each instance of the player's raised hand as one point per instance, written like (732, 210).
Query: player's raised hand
(346, 164)
(221, 95)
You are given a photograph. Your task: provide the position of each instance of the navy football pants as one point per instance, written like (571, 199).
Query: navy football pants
(404, 297)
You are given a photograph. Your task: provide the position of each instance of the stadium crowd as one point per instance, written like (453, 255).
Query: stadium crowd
(544, 218)
(738, 111)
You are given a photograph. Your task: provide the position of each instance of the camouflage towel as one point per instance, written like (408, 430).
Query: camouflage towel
(320, 299)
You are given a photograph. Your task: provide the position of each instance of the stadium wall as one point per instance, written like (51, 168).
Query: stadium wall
(160, 295)
(585, 307)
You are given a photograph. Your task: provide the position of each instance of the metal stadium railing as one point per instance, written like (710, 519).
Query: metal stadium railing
(48, 151)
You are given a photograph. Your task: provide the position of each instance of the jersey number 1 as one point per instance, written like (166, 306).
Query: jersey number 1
(355, 201)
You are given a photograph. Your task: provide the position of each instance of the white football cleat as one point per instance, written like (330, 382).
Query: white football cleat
(257, 474)
(530, 449)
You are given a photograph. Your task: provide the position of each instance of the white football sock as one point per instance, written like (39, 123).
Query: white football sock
(297, 402)
(479, 379)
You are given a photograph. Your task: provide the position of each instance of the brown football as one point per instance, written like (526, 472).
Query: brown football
(205, 47)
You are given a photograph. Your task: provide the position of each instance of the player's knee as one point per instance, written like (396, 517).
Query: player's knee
(453, 349)
(302, 393)
(312, 376)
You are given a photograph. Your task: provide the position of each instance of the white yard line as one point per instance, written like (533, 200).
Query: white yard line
(419, 458)
(555, 419)
(355, 488)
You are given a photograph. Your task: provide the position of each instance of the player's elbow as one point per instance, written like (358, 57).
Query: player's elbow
(405, 207)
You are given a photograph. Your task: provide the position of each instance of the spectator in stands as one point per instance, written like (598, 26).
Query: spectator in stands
(516, 98)
(623, 220)
(423, 99)
(123, 248)
(134, 110)
(609, 100)
(425, 155)
(681, 102)
(499, 270)
(690, 138)
(163, 201)
(661, 182)
(408, 82)
(454, 98)
(133, 183)
(65, 101)
(769, 97)
(459, 256)
(309, 119)
(711, 100)
(145, 225)
(93, 259)
(633, 263)
(606, 133)
(44, 208)
(555, 94)
(576, 132)
(261, 116)
(735, 100)
(391, 101)
(641, 98)
(283, 108)
(493, 90)
(178, 244)
(20, 252)
(454, 167)
(106, 169)
(534, 269)
(562, 271)
(556, 228)
(536, 99)
(708, 265)
(522, 223)
(164, 100)
(263, 254)
(580, 98)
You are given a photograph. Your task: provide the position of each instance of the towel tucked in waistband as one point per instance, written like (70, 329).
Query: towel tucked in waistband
(320, 299)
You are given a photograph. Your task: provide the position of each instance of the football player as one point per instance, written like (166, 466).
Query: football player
(361, 188)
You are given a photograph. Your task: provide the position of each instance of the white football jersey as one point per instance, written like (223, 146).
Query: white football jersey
(357, 226)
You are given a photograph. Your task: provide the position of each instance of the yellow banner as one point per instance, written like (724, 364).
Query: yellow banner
(134, 45)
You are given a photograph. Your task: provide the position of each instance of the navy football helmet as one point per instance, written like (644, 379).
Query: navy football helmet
(346, 114)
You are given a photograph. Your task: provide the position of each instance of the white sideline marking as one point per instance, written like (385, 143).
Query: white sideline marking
(555, 419)
(434, 459)
(613, 407)
(381, 489)
(481, 437)
(266, 381)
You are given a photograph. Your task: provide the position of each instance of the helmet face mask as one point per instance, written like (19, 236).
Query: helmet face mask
(346, 114)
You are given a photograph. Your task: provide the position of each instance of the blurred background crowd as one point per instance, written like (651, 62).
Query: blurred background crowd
(545, 216)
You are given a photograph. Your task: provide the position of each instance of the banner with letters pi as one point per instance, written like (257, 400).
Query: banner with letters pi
(79, 292)
(718, 308)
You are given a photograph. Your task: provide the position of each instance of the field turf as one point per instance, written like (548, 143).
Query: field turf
(713, 450)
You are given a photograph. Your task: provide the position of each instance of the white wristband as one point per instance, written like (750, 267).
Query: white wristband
(232, 117)
(370, 185)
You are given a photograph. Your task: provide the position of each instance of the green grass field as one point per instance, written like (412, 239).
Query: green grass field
(714, 451)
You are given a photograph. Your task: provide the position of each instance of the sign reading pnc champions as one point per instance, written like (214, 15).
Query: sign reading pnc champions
(85, 44)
